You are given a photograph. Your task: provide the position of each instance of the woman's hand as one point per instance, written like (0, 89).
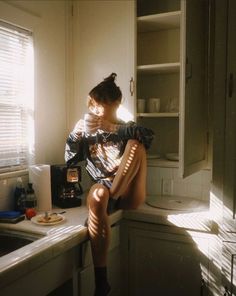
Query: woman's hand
(93, 122)
(79, 127)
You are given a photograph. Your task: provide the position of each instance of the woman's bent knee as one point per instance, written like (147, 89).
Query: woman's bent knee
(98, 197)
(135, 146)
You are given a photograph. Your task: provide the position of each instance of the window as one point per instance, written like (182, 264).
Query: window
(16, 98)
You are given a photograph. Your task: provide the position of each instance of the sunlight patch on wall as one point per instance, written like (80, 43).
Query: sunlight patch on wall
(124, 114)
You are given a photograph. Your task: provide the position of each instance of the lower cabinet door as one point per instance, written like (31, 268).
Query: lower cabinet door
(229, 268)
(166, 264)
(86, 282)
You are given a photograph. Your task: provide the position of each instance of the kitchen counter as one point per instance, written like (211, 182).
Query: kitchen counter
(54, 240)
(186, 217)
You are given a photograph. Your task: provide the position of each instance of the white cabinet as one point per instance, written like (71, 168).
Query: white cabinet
(229, 268)
(103, 42)
(158, 48)
(230, 120)
(172, 64)
(165, 261)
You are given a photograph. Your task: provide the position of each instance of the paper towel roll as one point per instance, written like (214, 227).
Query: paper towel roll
(40, 177)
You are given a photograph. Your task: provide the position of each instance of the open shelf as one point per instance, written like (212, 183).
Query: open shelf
(159, 114)
(159, 68)
(160, 21)
(162, 162)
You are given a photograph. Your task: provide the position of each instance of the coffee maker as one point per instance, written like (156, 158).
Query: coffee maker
(65, 186)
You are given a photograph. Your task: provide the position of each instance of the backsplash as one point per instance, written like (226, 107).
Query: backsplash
(165, 181)
(160, 181)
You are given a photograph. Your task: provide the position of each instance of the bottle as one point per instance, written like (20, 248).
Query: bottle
(19, 196)
(31, 201)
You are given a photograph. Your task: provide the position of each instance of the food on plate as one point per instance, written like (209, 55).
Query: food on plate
(50, 218)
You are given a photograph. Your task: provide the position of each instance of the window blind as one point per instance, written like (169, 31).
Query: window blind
(16, 97)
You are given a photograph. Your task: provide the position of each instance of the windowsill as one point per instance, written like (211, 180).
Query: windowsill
(13, 174)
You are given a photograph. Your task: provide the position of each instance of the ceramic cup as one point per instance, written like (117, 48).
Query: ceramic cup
(141, 105)
(154, 105)
(89, 121)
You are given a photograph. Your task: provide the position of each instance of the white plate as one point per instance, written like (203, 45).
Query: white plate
(35, 218)
(153, 156)
(172, 156)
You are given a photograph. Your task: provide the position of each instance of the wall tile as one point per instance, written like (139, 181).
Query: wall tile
(194, 190)
(205, 192)
(179, 188)
(195, 178)
(153, 181)
(166, 173)
(176, 175)
(195, 186)
(206, 177)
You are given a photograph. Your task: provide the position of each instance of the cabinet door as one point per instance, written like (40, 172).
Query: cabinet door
(103, 43)
(165, 264)
(193, 86)
(230, 138)
(229, 269)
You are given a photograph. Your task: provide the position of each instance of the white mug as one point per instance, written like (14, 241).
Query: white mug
(141, 105)
(154, 105)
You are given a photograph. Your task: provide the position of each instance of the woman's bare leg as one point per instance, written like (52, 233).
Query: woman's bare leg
(130, 180)
(99, 233)
(98, 223)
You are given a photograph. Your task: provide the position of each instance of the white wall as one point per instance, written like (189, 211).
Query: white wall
(48, 20)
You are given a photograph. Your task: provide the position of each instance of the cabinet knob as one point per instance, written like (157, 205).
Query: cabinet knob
(131, 86)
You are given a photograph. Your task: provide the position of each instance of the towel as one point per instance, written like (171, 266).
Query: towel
(10, 214)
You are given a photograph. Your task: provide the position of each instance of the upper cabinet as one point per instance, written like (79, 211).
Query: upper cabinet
(172, 66)
(103, 42)
(229, 101)
(159, 49)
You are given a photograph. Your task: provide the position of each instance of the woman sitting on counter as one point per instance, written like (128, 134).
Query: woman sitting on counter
(115, 153)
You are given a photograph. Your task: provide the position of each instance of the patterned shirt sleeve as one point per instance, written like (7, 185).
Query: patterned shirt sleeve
(75, 148)
(131, 130)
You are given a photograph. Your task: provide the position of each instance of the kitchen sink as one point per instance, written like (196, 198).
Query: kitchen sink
(13, 240)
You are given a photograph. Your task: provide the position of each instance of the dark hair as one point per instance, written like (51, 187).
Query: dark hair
(106, 91)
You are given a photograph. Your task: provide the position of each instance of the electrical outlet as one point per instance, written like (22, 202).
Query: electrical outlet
(167, 187)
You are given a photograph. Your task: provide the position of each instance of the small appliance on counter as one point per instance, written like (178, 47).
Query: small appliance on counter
(65, 186)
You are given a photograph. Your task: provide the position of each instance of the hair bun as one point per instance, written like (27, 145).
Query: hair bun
(110, 78)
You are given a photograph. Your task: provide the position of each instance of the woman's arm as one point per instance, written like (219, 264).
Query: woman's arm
(130, 130)
(75, 145)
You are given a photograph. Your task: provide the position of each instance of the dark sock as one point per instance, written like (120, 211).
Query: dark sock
(101, 282)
